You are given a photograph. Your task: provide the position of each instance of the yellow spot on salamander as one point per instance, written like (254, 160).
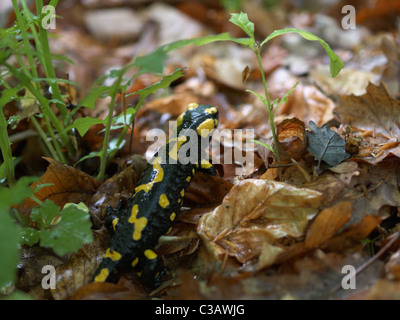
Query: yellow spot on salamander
(102, 276)
(205, 164)
(139, 223)
(158, 176)
(192, 106)
(182, 192)
(114, 222)
(188, 178)
(193, 172)
(112, 254)
(139, 274)
(135, 262)
(204, 129)
(172, 216)
(164, 202)
(150, 254)
(169, 230)
(211, 110)
(179, 120)
(177, 145)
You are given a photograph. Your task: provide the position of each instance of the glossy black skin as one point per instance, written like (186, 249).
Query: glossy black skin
(175, 179)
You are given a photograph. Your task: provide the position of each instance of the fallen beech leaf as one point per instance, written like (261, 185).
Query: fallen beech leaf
(105, 291)
(392, 267)
(376, 110)
(255, 212)
(308, 103)
(67, 185)
(206, 189)
(293, 139)
(79, 269)
(384, 290)
(328, 222)
(352, 235)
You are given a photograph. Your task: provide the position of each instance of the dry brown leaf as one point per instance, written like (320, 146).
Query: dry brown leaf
(293, 139)
(352, 236)
(67, 185)
(79, 269)
(348, 81)
(205, 189)
(327, 224)
(392, 267)
(375, 110)
(255, 212)
(105, 291)
(384, 290)
(308, 103)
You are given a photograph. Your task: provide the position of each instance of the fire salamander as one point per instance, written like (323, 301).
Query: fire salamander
(157, 200)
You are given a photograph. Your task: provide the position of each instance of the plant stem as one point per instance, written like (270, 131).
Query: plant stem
(106, 141)
(5, 147)
(269, 107)
(44, 138)
(48, 64)
(44, 104)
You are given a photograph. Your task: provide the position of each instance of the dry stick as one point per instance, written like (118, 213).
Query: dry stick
(371, 260)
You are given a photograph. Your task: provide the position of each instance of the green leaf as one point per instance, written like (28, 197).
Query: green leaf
(73, 230)
(162, 84)
(285, 98)
(264, 145)
(9, 231)
(153, 62)
(242, 21)
(17, 194)
(44, 215)
(263, 100)
(83, 124)
(206, 40)
(8, 95)
(326, 145)
(92, 154)
(64, 231)
(90, 99)
(9, 238)
(335, 63)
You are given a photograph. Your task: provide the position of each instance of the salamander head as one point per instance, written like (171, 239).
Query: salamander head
(202, 118)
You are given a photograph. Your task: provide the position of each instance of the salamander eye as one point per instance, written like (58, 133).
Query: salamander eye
(192, 106)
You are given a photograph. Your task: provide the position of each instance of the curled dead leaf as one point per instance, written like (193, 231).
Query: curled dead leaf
(293, 139)
(256, 213)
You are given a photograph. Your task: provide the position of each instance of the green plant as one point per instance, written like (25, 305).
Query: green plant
(15, 41)
(9, 230)
(242, 21)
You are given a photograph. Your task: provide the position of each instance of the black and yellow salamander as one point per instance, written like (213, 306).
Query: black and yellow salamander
(158, 197)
